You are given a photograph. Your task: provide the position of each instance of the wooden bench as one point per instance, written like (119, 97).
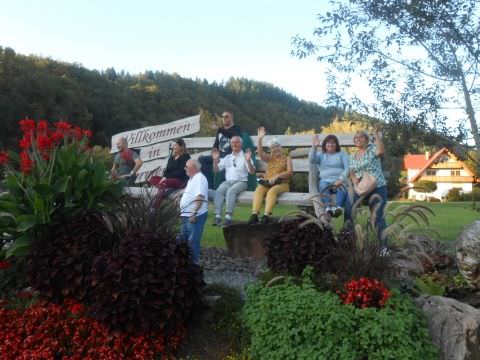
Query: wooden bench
(155, 158)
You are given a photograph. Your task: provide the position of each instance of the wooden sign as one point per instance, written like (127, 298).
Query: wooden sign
(156, 134)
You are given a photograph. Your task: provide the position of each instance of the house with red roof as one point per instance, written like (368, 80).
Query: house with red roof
(443, 167)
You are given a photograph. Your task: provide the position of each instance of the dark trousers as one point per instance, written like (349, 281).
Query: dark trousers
(376, 203)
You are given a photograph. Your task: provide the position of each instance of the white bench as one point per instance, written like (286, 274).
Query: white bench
(156, 157)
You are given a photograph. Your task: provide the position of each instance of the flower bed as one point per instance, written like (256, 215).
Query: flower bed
(46, 331)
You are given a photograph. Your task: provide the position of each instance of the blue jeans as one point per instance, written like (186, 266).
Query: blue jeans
(380, 223)
(192, 233)
(325, 188)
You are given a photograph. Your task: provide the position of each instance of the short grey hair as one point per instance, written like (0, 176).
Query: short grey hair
(239, 137)
(275, 141)
(124, 141)
(196, 163)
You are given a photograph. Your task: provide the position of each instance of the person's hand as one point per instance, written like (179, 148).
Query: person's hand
(272, 180)
(215, 154)
(248, 155)
(338, 183)
(192, 219)
(315, 141)
(261, 132)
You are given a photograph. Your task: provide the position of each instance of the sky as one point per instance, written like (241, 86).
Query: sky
(209, 39)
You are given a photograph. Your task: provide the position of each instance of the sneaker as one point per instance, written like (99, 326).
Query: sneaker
(253, 220)
(329, 211)
(265, 219)
(227, 222)
(337, 212)
(217, 221)
(384, 252)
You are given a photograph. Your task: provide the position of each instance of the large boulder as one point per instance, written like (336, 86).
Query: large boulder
(454, 327)
(245, 240)
(468, 254)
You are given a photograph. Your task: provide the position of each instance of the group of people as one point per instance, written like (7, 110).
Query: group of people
(233, 165)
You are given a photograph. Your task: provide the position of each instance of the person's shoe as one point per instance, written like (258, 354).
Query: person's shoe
(384, 252)
(337, 212)
(227, 222)
(217, 221)
(253, 220)
(265, 219)
(329, 211)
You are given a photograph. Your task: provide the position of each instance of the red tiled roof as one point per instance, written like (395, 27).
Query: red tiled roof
(414, 161)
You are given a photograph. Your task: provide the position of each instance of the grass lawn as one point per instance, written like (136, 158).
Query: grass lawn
(449, 220)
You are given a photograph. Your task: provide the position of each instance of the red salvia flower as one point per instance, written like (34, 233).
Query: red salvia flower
(25, 142)
(77, 133)
(87, 133)
(42, 125)
(63, 125)
(27, 125)
(26, 164)
(4, 265)
(44, 142)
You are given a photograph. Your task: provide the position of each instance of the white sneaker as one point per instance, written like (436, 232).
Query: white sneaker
(384, 252)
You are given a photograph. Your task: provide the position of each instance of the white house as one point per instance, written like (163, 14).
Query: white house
(444, 168)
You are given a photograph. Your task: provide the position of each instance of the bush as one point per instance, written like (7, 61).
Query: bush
(295, 247)
(291, 321)
(128, 268)
(12, 277)
(454, 194)
(425, 186)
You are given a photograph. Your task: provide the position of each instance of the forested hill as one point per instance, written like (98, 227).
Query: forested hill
(109, 102)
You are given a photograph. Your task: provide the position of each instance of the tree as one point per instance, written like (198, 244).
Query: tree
(418, 55)
(425, 186)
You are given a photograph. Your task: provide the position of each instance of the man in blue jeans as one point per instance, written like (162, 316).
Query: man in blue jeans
(194, 208)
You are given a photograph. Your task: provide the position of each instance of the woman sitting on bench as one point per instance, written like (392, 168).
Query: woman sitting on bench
(275, 181)
(174, 176)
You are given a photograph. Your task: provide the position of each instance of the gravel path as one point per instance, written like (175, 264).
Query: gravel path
(220, 267)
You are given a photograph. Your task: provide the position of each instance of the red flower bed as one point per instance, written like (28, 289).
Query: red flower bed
(47, 331)
(365, 293)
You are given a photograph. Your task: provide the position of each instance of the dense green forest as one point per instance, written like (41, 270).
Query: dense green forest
(109, 102)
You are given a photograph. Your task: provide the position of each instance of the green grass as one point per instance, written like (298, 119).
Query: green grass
(449, 220)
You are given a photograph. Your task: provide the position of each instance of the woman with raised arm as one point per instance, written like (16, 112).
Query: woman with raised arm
(175, 176)
(275, 181)
(368, 180)
(333, 167)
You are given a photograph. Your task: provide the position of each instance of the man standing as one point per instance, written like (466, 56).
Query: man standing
(222, 144)
(126, 162)
(194, 208)
(237, 166)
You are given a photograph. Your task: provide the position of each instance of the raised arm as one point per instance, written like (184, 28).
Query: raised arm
(379, 142)
(313, 156)
(260, 135)
(216, 159)
(248, 160)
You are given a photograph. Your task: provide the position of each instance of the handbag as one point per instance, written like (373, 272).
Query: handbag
(266, 183)
(367, 184)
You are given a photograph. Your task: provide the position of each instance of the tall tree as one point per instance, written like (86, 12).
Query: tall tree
(419, 56)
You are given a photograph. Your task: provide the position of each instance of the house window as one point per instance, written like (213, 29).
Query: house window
(455, 172)
(431, 172)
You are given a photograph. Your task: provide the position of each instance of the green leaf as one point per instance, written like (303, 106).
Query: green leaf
(44, 190)
(26, 222)
(19, 247)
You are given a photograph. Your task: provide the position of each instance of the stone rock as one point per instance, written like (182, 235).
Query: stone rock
(454, 327)
(245, 240)
(468, 254)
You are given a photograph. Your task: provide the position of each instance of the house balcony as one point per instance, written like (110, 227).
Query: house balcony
(447, 165)
(448, 179)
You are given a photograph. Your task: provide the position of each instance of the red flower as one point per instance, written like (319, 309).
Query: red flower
(26, 164)
(42, 125)
(25, 142)
(44, 142)
(27, 125)
(3, 157)
(88, 133)
(365, 293)
(77, 133)
(63, 125)
(4, 264)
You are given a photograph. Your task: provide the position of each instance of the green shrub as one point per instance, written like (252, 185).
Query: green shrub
(454, 194)
(425, 186)
(426, 285)
(291, 321)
